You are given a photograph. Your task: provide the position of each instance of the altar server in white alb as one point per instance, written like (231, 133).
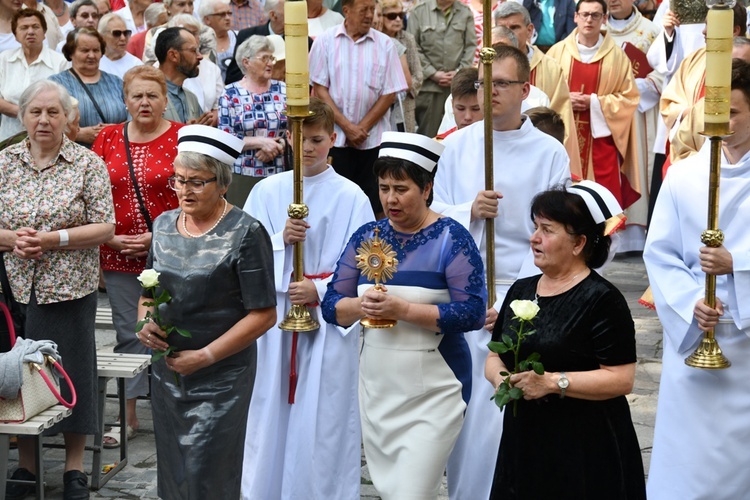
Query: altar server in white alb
(526, 162)
(702, 436)
(310, 449)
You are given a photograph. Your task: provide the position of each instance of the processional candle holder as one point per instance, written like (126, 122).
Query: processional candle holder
(719, 30)
(377, 261)
(299, 318)
(487, 57)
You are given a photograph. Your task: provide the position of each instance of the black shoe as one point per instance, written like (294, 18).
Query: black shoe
(76, 485)
(16, 491)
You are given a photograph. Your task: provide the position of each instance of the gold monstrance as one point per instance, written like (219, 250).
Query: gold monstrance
(377, 261)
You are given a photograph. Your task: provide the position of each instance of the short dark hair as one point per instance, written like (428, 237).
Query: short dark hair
(548, 121)
(569, 209)
(523, 69)
(462, 84)
(170, 38)
(23, 13)
(321, 115)
(740, 17)
(71, 42)
(399, 169)
(600, 2)
(741, 77)
(81, 3)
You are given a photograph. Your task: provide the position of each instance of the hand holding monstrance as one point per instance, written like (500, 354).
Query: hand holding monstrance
(377, 261)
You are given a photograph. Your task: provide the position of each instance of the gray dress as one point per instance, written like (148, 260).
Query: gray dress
(200, 419)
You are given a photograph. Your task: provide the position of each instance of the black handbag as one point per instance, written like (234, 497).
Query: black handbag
(16, 311)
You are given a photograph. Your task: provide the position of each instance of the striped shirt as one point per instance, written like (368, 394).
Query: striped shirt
(357, 74)
(248, 14)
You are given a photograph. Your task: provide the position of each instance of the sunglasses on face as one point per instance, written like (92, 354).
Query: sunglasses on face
(119, 33)
(392, 16)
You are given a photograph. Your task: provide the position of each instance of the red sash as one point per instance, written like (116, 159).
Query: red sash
(532, 77)
(584, 78)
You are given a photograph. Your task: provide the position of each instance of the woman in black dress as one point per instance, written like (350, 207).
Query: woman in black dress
(572, 436)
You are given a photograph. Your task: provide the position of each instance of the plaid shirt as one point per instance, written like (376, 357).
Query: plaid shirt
(247, 13)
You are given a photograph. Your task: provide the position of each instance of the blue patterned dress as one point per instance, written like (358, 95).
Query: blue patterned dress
(243, 114)
(415, 383)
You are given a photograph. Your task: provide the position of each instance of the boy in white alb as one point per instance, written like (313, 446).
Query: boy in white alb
(309, 449)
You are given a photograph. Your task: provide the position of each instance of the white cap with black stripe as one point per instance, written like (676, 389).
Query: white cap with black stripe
(415, 148)
(209, 141)
(602, 205)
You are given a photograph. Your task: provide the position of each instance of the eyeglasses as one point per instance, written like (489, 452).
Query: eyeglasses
(593, 15)
(222, 14)
(196, 50)
(498, 84)
(266, 59)
(119, 33)
(86, 15)
(392, 16)
(195, 186)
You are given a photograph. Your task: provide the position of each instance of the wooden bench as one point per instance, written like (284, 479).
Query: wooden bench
(119, 366)
(32, 427)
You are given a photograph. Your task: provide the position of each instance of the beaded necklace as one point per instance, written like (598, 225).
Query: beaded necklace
(184, 223)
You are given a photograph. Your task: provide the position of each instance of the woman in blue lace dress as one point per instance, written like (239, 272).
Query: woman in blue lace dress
(415, 378)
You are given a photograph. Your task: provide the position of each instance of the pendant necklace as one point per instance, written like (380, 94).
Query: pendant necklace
(184, 223)
(571, 280)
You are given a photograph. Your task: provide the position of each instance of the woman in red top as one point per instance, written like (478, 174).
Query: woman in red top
(139, 162)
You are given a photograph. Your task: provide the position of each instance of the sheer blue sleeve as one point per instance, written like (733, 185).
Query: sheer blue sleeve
(345, 278)
(464, 274)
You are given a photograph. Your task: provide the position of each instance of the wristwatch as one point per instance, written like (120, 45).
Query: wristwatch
(563, 384)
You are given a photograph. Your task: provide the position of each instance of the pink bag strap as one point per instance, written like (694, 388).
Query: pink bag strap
(9, 320)
(51, 386)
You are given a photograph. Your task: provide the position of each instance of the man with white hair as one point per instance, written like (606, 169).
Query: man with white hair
(116, 59)
(275, 26)
(217, 15)
(546, 73)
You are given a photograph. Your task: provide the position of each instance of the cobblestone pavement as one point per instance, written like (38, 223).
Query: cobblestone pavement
(138, 478)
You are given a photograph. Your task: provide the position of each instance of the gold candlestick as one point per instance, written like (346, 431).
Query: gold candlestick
(719, 27)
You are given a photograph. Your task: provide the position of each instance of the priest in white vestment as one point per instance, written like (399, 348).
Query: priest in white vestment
(310, 449)
(526, 162)
(702, 436)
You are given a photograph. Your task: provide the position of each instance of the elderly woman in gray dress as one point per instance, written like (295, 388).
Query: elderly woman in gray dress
(55, 210)
(216, 263)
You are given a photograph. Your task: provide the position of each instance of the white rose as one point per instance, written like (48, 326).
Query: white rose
(524, 309)
(149, 278)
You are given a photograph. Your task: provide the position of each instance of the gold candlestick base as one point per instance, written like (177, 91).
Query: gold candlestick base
(708, 356)
(299, 319)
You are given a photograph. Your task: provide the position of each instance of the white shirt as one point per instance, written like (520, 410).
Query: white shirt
(16, 75)
(121, 65)
(207, 86)
(319, 24)
(127, 16)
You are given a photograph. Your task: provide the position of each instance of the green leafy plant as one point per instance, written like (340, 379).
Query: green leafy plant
(524, 311)
(149, 279)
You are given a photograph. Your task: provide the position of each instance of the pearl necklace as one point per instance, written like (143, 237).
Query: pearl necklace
(571, 280)
(184, 223)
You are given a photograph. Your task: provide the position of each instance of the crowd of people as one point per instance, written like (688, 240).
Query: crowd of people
(154, 136)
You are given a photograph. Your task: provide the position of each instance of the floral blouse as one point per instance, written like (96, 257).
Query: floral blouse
(243, 113)
(73, 190)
